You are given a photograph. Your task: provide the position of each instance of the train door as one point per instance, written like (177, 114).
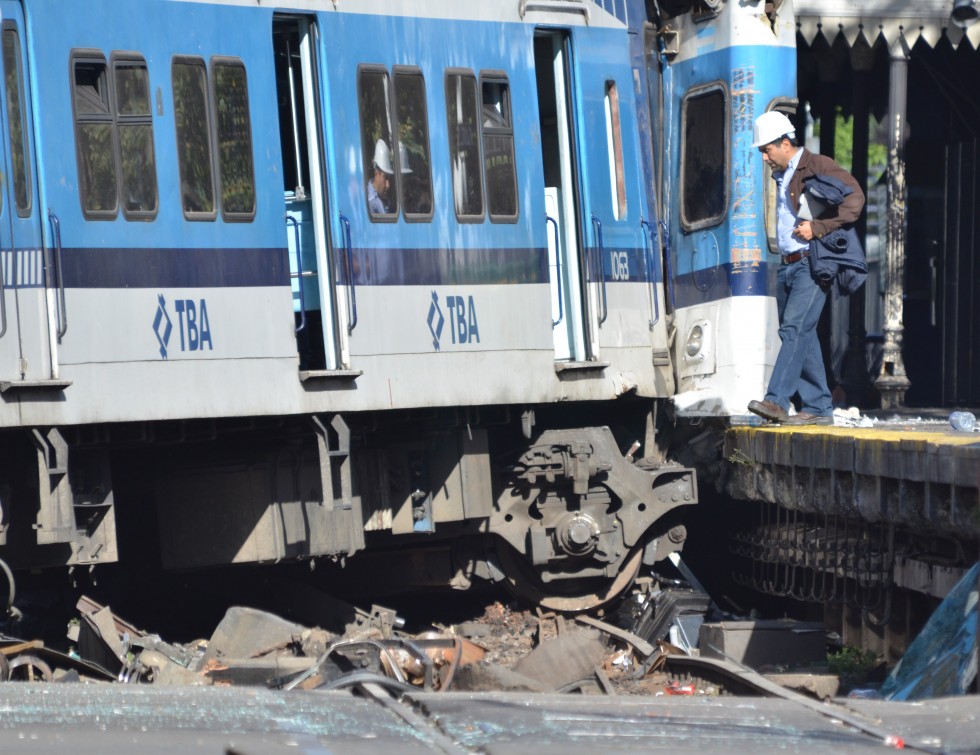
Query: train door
(656, 99)
(25, 340)
(304, 183)
(573, 299)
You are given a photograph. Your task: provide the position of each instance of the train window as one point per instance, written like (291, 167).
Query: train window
(113, 123)
(194, 154)
(704, 157)
(498, 148)
(14, 79)
(135, 126)
(376, 143)
(93, 135)
(614, 149)
(233, 132)
(464, 145)
(414, 171)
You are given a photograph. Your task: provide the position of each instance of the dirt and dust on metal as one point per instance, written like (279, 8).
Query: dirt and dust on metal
(666, 637)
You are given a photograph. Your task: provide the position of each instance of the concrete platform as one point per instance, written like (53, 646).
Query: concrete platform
(925, 476)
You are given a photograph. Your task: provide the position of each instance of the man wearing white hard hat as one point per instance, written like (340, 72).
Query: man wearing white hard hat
(799, 368)
(379, 185)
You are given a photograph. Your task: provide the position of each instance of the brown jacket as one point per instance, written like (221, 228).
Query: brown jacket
(846, 213)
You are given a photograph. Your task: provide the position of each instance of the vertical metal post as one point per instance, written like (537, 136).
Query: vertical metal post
(854, 369)
(892, 383)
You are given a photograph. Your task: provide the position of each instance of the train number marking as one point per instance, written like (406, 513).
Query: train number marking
(193, 325)
(619, 263)
(463, 326)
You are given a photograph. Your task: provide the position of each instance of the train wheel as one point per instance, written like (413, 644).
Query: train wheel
(30, 668)
(573, 517)
(565, 596)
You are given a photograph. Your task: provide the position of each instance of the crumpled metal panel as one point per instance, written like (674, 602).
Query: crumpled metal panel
(942, 660)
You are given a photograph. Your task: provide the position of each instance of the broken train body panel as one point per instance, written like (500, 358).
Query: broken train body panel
(705, 70)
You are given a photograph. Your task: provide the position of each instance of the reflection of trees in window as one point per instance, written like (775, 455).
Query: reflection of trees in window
(93, 137)
(376, 125)
(13, 79)
(234, 136)
(498, 150)
(464, 145)
(113, 124)
(413, 143)
(139, 174)
(193, 136)
(704, 158)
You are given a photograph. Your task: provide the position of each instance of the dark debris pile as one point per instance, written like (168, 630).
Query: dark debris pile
(632, 651)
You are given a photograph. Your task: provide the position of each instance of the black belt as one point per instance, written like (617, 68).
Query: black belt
(789, 259)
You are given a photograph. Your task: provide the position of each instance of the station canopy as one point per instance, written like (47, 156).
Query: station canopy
(891, 20)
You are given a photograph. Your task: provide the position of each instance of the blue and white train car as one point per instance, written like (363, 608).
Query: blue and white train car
(291, 280)
(706, 69)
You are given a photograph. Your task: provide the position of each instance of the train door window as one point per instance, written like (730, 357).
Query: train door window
(614, 149)
(464, 145)
(194, 154)
(414, 171)
(381, 186)
(14, 80)
(289, 47)
(788, 108)
(498, 148)
(233, 132)
(704, 157)
(93, 135)
(135, 125)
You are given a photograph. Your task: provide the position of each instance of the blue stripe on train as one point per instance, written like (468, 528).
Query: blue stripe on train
(230, 268)
(722, 281)
(428, 267)
(432, 267)
(174, 268)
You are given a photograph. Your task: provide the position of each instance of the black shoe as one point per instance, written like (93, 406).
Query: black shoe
(769, 410)
(805, 418)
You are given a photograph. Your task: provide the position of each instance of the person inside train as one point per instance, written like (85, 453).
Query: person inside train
(380, 188)
(800, 298)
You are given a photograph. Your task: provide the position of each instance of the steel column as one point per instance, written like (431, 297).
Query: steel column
(892, 382)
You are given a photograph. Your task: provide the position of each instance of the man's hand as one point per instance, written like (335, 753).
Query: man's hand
(804, 231)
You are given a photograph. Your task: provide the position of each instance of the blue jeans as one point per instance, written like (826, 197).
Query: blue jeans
(799, 366)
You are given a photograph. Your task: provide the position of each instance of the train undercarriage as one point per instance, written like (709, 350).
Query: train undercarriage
(563, 516)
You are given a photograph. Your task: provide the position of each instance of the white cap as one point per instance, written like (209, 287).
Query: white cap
(771, 126)
(382, 157)
(403, 158)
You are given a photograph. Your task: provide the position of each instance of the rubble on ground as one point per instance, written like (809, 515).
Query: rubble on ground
(505, 649)
(666, 638)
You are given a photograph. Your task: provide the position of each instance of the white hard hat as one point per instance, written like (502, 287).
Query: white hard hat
(771, 126)
(382, 157)
(403, 158)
